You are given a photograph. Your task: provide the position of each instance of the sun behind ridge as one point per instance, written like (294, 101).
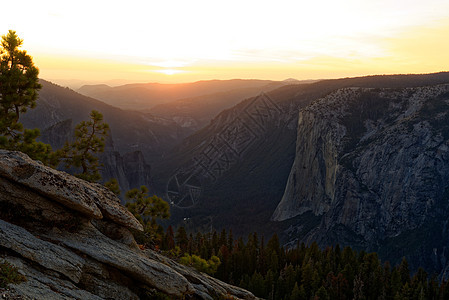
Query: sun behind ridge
(169, 71)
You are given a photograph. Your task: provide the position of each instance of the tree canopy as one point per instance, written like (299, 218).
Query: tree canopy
(271, 271)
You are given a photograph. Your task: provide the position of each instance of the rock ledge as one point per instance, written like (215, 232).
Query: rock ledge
(51, 227)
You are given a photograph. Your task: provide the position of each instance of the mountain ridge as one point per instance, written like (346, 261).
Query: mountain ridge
(144, 96)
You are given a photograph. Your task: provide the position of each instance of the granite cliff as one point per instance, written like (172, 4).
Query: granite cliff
(372, 171)
(71, 239)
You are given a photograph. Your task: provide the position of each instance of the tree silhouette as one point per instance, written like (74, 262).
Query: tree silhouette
(148, 209)
(89, 139)
(19, 85)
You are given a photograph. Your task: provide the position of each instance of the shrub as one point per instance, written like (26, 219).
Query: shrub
(207, 266)
(9, 274)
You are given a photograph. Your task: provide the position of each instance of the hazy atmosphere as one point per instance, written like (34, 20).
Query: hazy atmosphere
(183, 41)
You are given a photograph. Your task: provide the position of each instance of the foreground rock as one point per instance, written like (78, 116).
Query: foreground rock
(91, 200)
(71, 240)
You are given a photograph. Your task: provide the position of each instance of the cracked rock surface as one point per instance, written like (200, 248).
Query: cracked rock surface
(71, 240)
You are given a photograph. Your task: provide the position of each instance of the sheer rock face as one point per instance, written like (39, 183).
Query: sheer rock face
(373, 164)
(130, 169)
(71, 240)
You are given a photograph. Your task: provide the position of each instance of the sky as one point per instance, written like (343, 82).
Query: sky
(114, 42)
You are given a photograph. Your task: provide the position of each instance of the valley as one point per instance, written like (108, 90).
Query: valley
(255, 168)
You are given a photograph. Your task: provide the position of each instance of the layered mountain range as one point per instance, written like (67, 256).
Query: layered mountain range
(130, 130)
(191, 105)
(144, 96)
(135, 138)
(356, 161)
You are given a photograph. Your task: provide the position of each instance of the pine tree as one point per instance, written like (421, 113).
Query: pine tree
(396, 282)
(90, 139)
(322, 294)
(169, 239)
(19, 85)
(290, 277)
(113, 185)
(269, 284)
(222, 240)
(148, 209)
(273, 244)
(307, 275)
(404, 271)
(181, 238)
(257, 285)
(230, 240)
(295, 295)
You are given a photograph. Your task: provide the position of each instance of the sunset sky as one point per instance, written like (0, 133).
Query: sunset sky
(182, 41)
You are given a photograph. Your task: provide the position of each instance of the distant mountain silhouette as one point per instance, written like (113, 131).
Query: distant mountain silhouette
(130, 130)
(197, 112)
(296, 81)
(144, 96)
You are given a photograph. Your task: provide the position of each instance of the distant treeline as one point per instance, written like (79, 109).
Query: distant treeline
(304, 272)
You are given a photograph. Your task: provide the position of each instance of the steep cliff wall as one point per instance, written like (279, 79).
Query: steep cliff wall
(71, 240)
(373, 164)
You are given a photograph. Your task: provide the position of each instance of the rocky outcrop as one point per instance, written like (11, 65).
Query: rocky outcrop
(206, 285)
(92, 200)
(71, 239)
(373, 165)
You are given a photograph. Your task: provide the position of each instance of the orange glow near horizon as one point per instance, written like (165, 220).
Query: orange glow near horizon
(134, 42)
